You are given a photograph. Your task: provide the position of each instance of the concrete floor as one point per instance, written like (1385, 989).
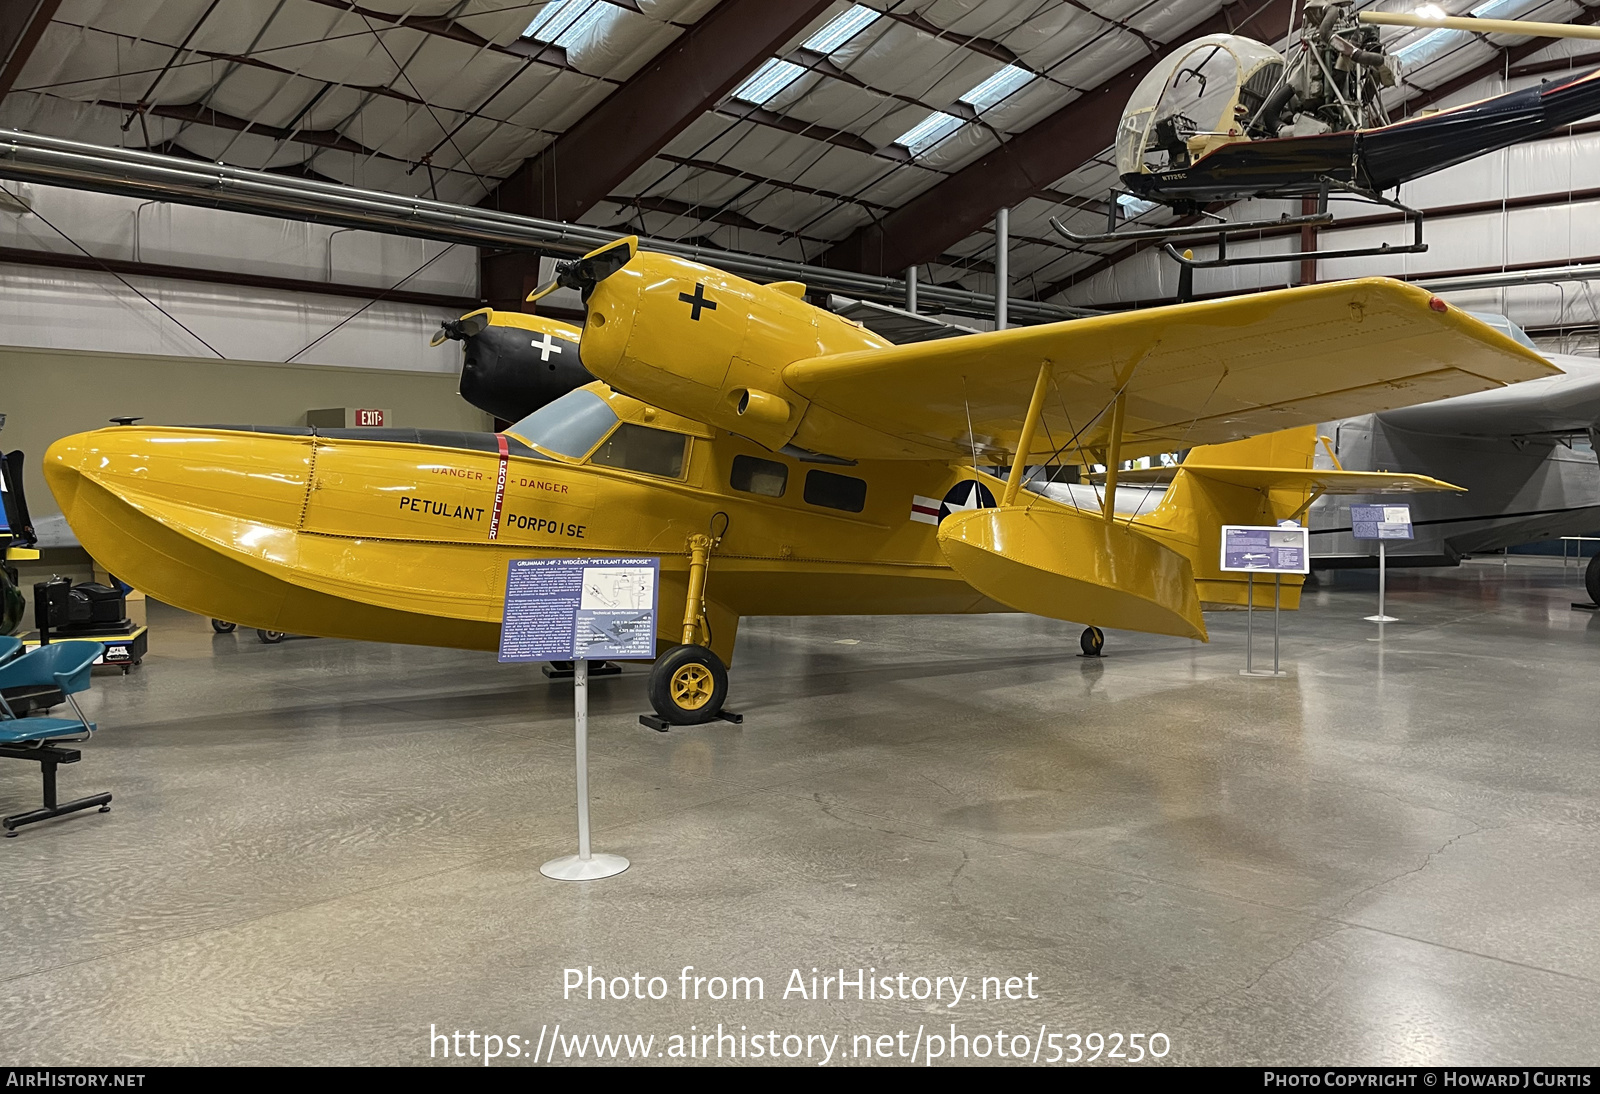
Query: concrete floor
(319, 850)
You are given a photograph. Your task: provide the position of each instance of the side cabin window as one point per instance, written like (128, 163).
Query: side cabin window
(757, 476)
(640, 448)
(832, 491)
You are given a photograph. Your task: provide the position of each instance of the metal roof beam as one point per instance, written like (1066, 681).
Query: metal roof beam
(962, 203)
(59, 260)
(22, 24)
(688, 78)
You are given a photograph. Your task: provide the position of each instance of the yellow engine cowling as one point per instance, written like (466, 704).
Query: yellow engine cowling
(708, 345)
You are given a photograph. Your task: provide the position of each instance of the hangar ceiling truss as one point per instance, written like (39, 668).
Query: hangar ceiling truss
(868, 135)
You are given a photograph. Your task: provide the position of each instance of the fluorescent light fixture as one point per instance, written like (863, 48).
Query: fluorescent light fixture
(1430, 11)
(766, 81)
(996, 87)
(565, 21)
(841, 28)
(928, 132)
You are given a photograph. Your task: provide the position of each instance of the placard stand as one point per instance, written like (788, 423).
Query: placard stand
(585, 865)
(1249, 627)
(1382, 573)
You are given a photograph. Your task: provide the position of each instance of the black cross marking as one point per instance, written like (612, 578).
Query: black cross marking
(697, 301)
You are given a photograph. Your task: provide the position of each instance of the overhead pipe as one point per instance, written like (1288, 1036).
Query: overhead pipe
(54, 161)
(1547, 275)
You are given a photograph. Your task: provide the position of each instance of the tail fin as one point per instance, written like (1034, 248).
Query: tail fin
(1260, 480)
(1241, 482)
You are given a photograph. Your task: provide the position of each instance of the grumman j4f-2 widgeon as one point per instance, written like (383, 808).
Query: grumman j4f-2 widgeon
(783, 461)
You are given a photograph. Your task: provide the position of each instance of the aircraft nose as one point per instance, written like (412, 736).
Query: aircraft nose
(63, 470)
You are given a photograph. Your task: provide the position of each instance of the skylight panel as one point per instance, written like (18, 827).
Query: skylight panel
(996, 87)
(766, 81)
(928, 132)
(565, 21)
(841, 28)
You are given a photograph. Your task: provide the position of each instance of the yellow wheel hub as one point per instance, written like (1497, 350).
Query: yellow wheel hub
(692, 686)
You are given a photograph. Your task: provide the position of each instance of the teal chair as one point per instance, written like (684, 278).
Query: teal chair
(66, 667)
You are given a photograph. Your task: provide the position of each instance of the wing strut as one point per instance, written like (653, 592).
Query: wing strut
(1114, 455)
(1030, 424)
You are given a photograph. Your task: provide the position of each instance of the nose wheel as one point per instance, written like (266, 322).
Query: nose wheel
(1092, 641)
(271, 638)
(688, 685)
(222, 626)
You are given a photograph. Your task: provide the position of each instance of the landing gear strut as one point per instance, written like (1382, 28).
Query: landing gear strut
(689, 683)
(1093, 640)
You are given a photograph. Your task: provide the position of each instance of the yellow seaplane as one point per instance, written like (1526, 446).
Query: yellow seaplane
(784, 461)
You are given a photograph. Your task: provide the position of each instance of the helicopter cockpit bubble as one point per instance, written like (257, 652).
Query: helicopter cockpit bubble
(1197, 98)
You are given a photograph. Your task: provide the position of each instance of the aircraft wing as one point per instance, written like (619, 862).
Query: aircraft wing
(1322, 480)
(1566, 403)
(1193, 374)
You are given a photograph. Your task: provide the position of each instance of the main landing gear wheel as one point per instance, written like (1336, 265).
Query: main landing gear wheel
(688, 685)
(1093, 641)
(271, 638)
(1591, 579)
(222, 626)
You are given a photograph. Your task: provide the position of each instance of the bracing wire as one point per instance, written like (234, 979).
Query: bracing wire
(369, 303)
(130, 285)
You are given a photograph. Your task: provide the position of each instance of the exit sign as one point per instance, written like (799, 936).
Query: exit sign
(369, 417)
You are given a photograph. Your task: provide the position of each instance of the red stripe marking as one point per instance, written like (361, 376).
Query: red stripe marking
(499, 486)
(931, 510)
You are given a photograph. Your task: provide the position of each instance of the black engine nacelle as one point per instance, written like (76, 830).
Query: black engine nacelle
(510, 371)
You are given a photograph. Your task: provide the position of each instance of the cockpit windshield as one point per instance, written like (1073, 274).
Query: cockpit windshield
(571, 426)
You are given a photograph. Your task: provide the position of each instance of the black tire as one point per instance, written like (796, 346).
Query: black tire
(271, 638)
(1591, 579)
(222, 626)
(1093, 641)
(688, 685)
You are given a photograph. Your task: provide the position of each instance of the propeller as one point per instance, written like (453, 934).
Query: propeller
(585, 273)
(459, 330)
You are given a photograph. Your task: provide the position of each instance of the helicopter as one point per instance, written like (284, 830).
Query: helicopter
(1228, 118)
(782, 460)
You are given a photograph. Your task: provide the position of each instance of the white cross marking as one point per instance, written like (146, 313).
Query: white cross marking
(546, 347)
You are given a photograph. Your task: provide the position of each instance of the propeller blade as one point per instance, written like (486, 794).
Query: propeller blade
(544, 290)
(597, 265)
(440, 337)
(471, 326)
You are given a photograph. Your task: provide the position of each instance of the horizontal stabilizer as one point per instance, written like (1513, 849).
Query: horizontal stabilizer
(1320, 480)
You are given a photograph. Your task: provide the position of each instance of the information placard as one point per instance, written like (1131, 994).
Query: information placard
(1380, 521)
(571, 609)
(1266, 550)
